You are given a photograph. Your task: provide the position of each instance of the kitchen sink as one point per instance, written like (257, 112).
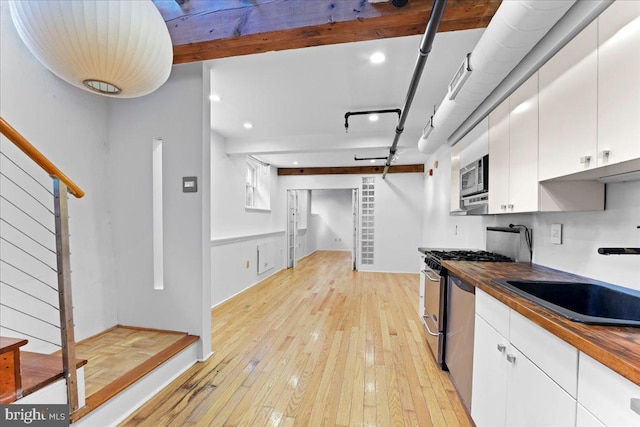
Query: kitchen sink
(591, 303)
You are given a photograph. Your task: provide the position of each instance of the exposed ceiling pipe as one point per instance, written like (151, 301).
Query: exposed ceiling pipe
(514, 30)
(425, 48)
(368, 112)
(581, 14)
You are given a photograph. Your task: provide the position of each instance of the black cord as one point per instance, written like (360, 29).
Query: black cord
(527, 236)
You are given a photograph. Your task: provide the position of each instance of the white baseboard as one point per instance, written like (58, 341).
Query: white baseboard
(308, 255)
(246, 288)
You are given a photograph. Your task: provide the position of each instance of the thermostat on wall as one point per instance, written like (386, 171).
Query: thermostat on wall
(190, 184)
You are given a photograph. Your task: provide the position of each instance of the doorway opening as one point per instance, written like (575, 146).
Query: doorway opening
(322, 219)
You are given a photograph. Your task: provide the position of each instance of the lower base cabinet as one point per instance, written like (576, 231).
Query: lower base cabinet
(609, 397)
(509, 390)
(525, 376)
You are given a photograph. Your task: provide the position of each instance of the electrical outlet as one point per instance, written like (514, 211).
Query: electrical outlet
(556, 234)
(247, 263)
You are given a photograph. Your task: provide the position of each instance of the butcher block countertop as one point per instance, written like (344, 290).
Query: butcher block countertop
(615, 347)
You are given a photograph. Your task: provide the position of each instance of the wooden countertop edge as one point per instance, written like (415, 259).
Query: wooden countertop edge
(618, 361)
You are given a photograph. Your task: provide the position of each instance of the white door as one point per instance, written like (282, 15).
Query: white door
(354, 208)
(292, 228)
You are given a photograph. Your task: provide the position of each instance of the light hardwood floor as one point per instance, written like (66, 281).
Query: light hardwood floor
(115, 352)
(318, 345)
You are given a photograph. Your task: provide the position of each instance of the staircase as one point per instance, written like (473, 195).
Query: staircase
(35, 272)
(25, 372)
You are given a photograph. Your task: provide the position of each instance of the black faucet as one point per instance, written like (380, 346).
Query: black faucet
(619, 251)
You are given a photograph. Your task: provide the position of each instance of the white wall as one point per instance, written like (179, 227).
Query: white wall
(176, 113)
(441, 230)
(233, 264)
(70, 127)
(235, 230)
(229, 217)
(398, 214)
(332, 220)
(584, 232)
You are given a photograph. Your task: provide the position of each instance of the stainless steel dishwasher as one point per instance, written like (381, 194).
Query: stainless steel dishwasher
(460, 325)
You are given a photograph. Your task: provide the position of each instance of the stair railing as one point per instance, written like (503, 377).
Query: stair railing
(37, 297)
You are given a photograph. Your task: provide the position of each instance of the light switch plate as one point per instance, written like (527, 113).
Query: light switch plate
(190, 184)
(556, 234)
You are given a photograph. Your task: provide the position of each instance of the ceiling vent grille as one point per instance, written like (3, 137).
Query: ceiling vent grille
(461, 76)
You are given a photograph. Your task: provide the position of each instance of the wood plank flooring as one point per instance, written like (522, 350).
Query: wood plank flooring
(318, 345)
(120, 356)
(116, 351)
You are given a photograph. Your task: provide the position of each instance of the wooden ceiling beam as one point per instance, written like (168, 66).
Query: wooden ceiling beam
(350, 170)
(203, 30)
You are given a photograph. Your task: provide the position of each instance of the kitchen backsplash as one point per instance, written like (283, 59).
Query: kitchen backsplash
(583, 232)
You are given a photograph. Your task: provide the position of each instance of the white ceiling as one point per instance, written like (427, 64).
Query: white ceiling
(297, 99)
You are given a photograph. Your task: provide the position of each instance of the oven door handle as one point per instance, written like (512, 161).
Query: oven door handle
(426, 323)
(426, 273)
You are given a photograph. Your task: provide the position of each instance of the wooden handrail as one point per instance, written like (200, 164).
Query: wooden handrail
(40, 159)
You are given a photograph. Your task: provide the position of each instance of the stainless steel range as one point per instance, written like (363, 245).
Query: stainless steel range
(449, 302)
(435, 292)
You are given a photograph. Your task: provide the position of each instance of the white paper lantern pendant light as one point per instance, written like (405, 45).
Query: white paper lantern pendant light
(102, 87)
(117, 48)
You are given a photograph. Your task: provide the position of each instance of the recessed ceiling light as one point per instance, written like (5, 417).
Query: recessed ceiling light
(214, 97)
(372, 161)
(247, 125)
(373, 117)
(377, 58)
(295, 163)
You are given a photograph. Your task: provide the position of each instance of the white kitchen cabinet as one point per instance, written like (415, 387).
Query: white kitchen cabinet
(489, 388)
(523, 147)
(610, 397)
(534, 399)
(499, 158)
(513, 151)
(556, 357)
(568, 107)
(508, 388)
(619, 83)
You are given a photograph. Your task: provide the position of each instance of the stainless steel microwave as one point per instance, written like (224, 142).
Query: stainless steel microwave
(474, 178)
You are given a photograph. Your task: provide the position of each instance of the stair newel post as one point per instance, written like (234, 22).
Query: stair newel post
(64, 292)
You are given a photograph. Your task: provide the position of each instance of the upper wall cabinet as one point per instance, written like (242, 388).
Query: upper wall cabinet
(513, 151)
(590, 97)
(568, 107)
(619, 83)
(514, 185)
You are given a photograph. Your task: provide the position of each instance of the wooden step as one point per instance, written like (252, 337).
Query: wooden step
(40, 370)
(10, 381)
(103, 395)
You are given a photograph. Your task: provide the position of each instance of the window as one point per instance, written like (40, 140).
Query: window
(250, 185)
(367, 222)
(257, 185)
